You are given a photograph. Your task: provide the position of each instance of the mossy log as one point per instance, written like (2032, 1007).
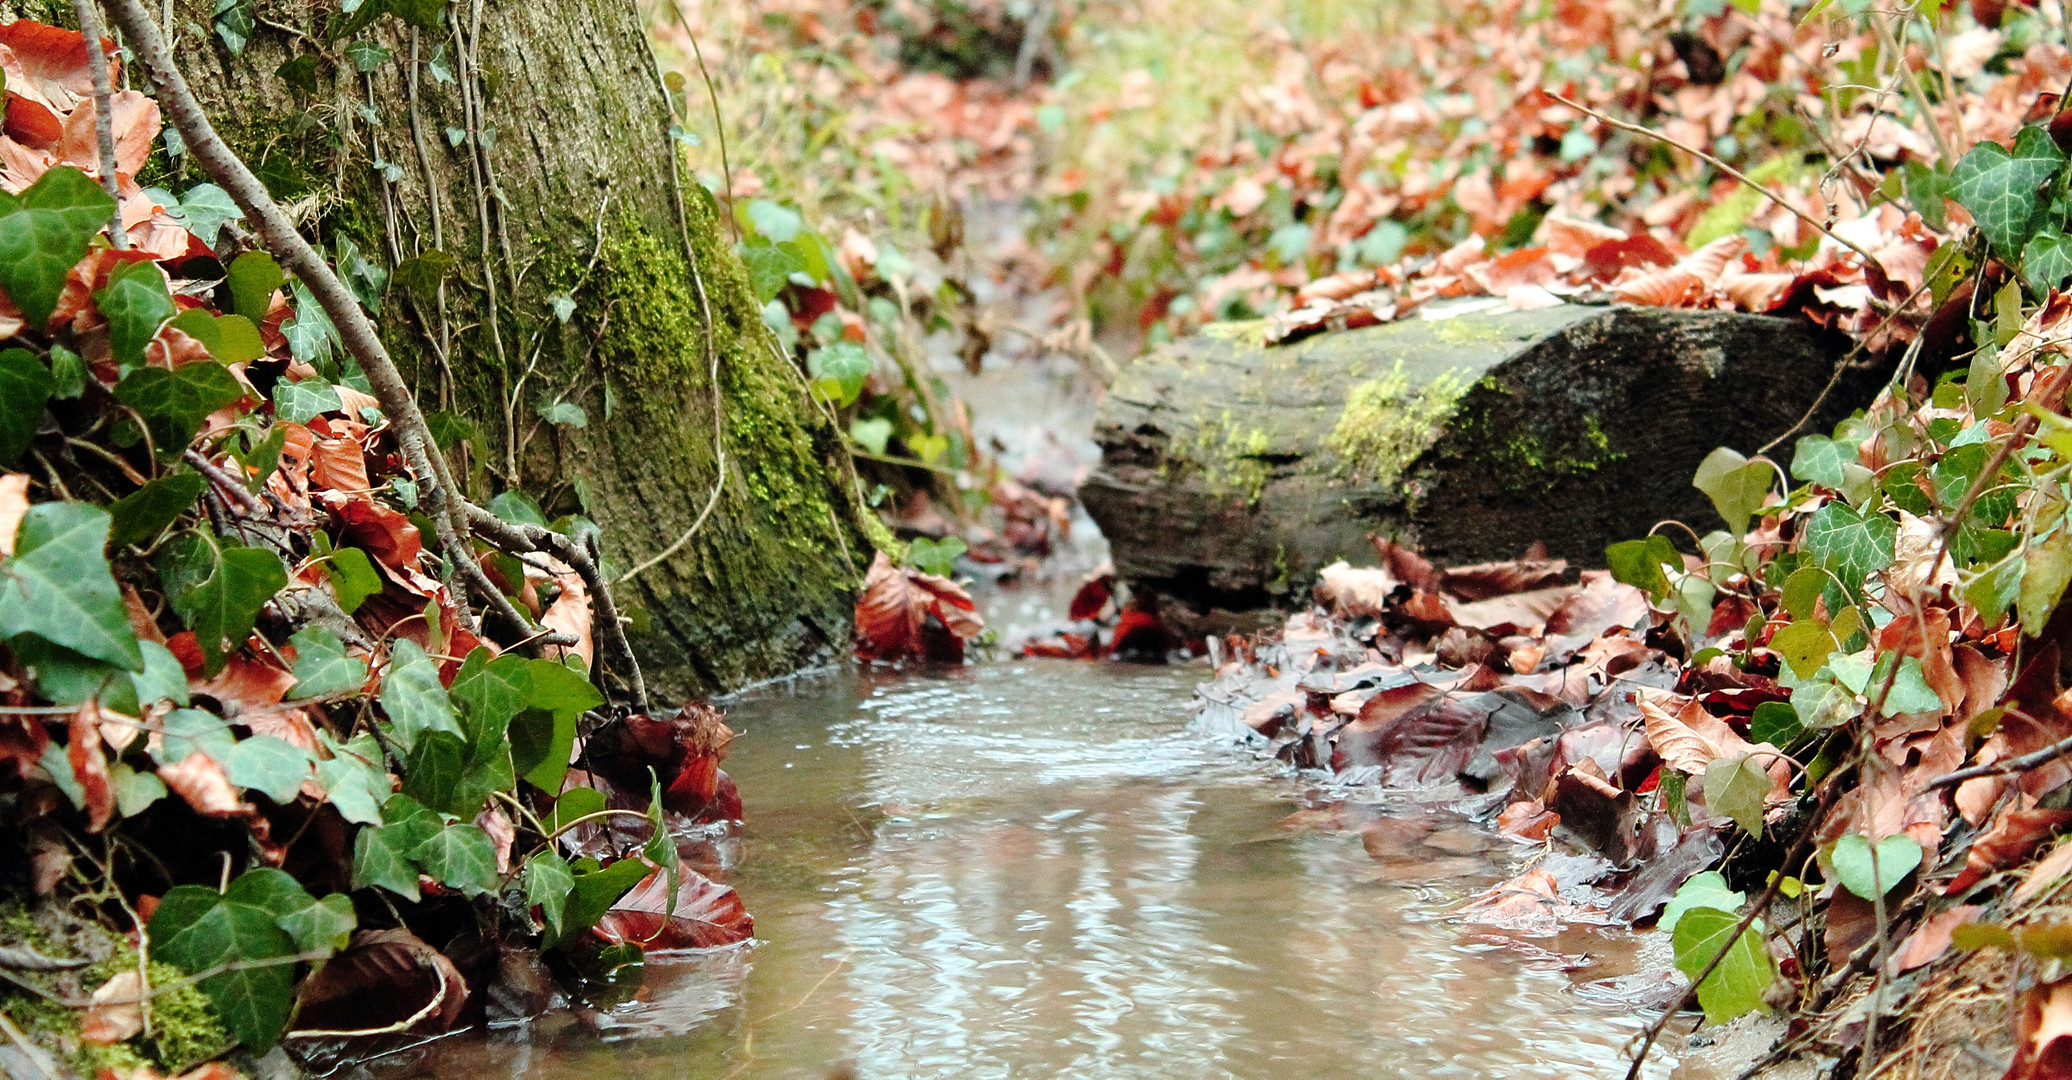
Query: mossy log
(1231, 471)
(531, 144)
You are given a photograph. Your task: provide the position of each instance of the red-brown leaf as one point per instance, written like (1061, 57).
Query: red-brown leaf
(893, 613)
(706, 914)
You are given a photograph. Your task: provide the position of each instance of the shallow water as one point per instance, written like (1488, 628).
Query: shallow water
(1032, 869)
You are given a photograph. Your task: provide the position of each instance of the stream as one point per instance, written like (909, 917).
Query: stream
(1032, 868)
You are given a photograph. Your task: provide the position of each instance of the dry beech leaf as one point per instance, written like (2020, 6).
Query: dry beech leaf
(14, 502)
(1675, 742)
(117, 1011)
(893, 615)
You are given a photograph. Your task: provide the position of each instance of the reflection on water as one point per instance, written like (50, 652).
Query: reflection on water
(1025, 869)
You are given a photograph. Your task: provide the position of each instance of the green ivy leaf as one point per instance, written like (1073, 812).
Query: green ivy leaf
(353, 780)
(1852, 859)
(235, 24)
(1993, 590)
(322, 667)
(1736, 486)
(314, 925)
(145, 512)
(299, 402)
(871, 433)
(197, 928)
(2046, 261)
(2000, 188)
(231, 339)
(936, 557)
(1804, 645)
(839, 370)
(175, 402)
(1817, 459)
(136, 303)
(380, 858)
(252, 279)
(548, 884)
(353, 577)
(192, 731)
(45, 234)
(1736, 986)
(413, 696)
(367, 56)
(543, 734)
(572, 806)
(204, 208)
(310, 334)
(1736, 788)
(426, 15)
(1705, 890)
(1910, 691)
(67, 370)
(563, 413)
(432, 772)
(490, 692)
(268, 765)
(1848, 543)
(459, 856)
(1776, 723)
(770, 266)
(218, 591)
(58, 585)
(1639, 563)
(134, 791)
(26, 386)
(596, 892)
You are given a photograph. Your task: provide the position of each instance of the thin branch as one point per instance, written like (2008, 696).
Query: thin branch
(1722, 166)
(606, 613)
(104, 115)
(2014, 764)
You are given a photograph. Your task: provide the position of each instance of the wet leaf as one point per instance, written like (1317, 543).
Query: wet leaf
(699, 914)
(382, 979)
(459, 856)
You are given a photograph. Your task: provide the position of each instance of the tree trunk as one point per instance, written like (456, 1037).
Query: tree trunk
(530, 143)
(1231, 471)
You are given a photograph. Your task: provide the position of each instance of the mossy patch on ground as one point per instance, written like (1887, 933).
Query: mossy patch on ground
(1387, 423)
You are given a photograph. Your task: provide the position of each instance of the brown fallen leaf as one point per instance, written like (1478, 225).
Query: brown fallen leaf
(2043, 1033)
(2015, 833)
(117, 1011)
(905, 613)
(14, 502)
(1931, 939)
(385, 980)
(1356, 591)
(703, 914)
(2044, 874)
(90, 766)
(1679, 746)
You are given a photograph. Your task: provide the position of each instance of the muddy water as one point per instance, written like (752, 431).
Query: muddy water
(1031, 869)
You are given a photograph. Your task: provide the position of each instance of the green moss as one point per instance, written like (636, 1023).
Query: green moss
(185, 1030)
(1247, 333)
(1227, 453)
(1387, 423)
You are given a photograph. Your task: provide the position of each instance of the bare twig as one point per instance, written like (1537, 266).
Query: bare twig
(355, 330)
(104, 115)
(582, 561)
(2023, 763)
(719, 122)
(1722, 166)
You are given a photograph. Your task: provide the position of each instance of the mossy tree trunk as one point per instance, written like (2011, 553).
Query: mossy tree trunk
(530, 144)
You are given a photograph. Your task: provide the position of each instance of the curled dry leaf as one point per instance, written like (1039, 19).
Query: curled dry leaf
(2043, 1033)
(2015, 833)
(200, 779)
(117, 1011)
(703, 914)
(14, 502)
(1356, 592)
(90, 766)
(570, 613)
(385, 980)
(906, 613)
(1680, 747)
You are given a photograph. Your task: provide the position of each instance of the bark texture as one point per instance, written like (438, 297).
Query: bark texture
(530, 144)
(1231, 471)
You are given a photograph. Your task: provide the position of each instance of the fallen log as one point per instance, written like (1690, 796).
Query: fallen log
(1232, 471)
